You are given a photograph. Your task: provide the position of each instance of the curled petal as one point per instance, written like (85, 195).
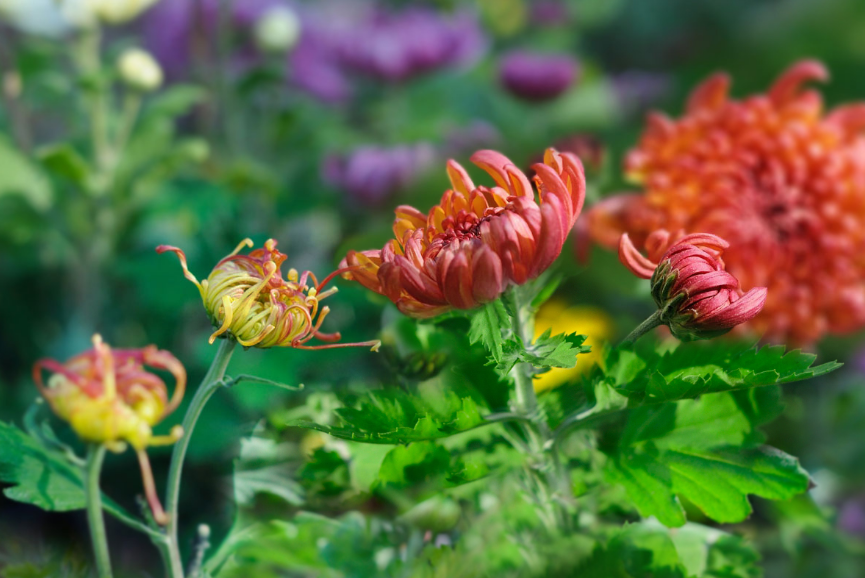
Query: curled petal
(788, 85)
(460, 180)
(495, 164)
(711, 94)
(633, 260)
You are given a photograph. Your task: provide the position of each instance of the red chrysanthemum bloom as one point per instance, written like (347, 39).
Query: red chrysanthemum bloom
(477, 241)
(780, 180)
(696, 297)
(111, 397)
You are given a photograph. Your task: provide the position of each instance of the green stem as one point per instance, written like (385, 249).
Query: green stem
(546, 474)
(95, 456)
(211, 382)
(653, 321)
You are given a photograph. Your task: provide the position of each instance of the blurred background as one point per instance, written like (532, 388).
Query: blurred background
(309, 122)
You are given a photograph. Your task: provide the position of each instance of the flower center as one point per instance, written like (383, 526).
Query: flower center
(464, 225)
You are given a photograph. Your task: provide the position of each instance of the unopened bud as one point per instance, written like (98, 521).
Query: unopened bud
(696, 296)
(278, 30)
(139, 70)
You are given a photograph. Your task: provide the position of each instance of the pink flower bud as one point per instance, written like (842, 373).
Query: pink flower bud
(697, 297)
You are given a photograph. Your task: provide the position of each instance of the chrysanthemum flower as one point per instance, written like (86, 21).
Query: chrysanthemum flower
(478, 240)
(110, 397)
(247, 299)
(696, 297)
(777, 178)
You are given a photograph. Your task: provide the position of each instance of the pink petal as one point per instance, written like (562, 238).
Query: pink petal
(633, 260)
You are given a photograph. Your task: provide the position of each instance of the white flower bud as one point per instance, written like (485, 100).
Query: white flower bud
(278, 30)
(139, 70)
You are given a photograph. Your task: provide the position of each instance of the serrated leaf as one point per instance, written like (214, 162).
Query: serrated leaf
(544, 353)
(396, 417)
(42, 477)
(690, 449)
(487, 324)
(699, 368)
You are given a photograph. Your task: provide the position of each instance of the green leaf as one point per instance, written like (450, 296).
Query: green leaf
(637, 550)
(417, 463)
(263, 467)
(698, 368)
(691, 449)
(392, 416)
(486, 327)
(175, 101)
(44, 478)
(65, 162)
(19, 176)
(544, 353)
(39, 477)
(428, 464)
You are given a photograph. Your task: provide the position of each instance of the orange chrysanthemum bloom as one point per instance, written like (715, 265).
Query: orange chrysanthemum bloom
(109, 396)
(478, 240)
(780, 180)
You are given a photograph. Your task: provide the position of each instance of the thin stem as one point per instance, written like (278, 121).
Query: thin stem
(95, 456)
(211, 382)
(653, 321)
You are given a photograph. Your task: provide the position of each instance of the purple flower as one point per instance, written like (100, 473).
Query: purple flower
(549, 13)
(395, 46)
(370, 174)
(535, 76)
(637, 90)
(851, 517)
(175, 29)
(339, 38)
(475, 135)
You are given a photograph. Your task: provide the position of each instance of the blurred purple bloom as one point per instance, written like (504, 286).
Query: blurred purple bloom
(339, 38)
(549, 13)
(370, 174)
(175, 29)
(851, 517)
(536, 76)
(394, 46)
(637, 90)
(478, 134)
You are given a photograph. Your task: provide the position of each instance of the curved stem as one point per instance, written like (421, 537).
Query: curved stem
(653, 321)
(95, 456)
(211, 382)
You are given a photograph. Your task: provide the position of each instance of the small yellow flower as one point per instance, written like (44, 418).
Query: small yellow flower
(585, 320)
(108, 397)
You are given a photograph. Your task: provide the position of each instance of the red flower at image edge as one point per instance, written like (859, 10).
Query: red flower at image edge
(777, 178)
(478, 241)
